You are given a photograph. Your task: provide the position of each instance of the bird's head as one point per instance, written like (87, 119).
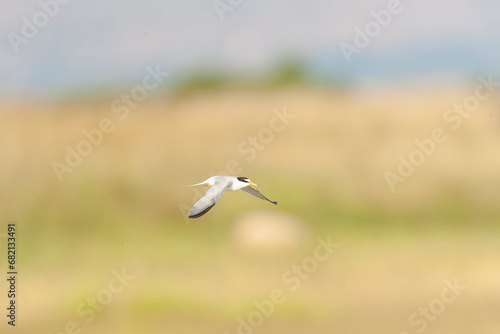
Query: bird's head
(246, 180)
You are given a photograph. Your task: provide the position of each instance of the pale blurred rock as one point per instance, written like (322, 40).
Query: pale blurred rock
(263, 230)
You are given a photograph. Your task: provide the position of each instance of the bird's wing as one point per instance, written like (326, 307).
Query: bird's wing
(252, 191)
(213, 195)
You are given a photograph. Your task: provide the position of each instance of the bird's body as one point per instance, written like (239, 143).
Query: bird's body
(218, 185)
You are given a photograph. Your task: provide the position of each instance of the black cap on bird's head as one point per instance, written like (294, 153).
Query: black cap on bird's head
(243, 179)
(246, 180)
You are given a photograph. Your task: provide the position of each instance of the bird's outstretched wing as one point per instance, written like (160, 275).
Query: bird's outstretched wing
(213, 195)
(252, 191)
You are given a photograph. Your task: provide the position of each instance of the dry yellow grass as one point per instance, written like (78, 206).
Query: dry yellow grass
(120, 208)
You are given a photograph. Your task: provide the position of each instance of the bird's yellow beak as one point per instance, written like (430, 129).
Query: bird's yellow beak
(253, 184)
(208, 185)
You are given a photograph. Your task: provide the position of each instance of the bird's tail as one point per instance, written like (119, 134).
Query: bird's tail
(198, 184)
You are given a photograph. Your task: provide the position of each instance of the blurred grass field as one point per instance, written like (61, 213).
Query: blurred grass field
(121, 209)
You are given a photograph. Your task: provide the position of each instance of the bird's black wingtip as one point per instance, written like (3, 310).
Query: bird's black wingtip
(199, 214)
(195, 215)
(275, 203)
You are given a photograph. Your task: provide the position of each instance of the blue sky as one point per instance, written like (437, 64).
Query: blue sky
(103, 42)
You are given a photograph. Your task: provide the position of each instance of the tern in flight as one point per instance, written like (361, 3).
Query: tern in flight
(218, 185)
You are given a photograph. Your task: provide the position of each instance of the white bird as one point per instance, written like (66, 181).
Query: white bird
(218, 185)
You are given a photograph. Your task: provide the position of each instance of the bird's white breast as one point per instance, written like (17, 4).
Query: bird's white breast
(236, 185)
